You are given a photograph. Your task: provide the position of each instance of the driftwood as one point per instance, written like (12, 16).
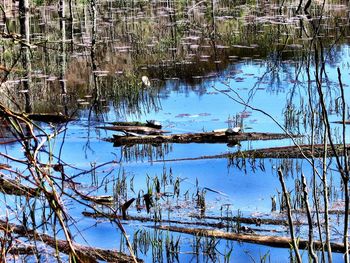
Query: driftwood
(202, 137)
(274, 152)
(49, 117)
(273, 241)
(136, 129)
(85, 253)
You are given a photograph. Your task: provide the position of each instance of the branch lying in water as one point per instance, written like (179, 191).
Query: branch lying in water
(223, 221)
(273, 241)
(315, 151)
(13, 187)
(85, 253)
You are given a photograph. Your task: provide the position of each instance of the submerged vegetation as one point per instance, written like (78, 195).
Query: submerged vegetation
(228, 122)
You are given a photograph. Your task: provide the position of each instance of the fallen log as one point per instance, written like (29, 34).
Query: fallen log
(202, 137)
(149, 123)
(13, 187)
(21, 249)
(245, 220)
(275, 152)
(248, 220)
(102, 199)
(128, 123)
(219, 225)
(149, 219)
(85, 253)
(137, 129)
(273, 241)
(299, 151)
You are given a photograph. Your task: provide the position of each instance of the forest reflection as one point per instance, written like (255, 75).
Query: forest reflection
(103, 49)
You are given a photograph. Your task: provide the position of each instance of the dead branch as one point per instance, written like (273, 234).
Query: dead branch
(289, 213)
(83, 252)
(248, 220)
(273, 241)
(224, 223)
(275, 152)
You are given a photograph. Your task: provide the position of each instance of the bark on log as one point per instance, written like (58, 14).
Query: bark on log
(273, 241)
(202, 137)
(274, 152)
(86, 253)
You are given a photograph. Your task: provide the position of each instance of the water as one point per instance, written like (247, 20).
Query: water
(245, 64)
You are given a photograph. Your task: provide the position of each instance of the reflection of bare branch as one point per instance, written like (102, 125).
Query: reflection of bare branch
(289, 213)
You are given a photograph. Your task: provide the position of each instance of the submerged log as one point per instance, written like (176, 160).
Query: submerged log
(202, 137)
(316, 151)
(245, 220)
(49, 117)
(224, 224)
(273, 241)
(85, 253)
(149, 219)
(137, 129)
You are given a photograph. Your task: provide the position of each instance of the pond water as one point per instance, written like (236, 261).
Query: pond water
(211, 65)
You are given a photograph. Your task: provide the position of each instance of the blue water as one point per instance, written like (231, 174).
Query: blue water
(205, 107)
